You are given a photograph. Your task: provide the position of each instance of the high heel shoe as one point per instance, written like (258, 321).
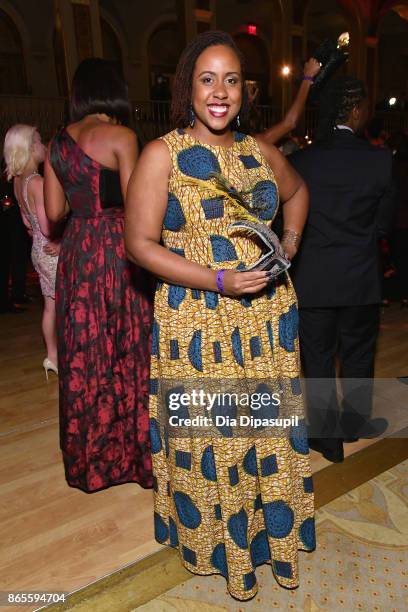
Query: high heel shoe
(49, 365)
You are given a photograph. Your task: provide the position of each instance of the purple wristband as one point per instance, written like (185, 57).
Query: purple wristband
(220, 284)
(308, 78)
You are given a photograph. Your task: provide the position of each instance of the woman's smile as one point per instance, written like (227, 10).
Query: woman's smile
(218, 110)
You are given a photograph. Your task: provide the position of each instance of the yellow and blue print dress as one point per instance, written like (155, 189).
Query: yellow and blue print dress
(228, 504)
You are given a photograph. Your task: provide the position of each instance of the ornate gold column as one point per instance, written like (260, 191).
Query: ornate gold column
(78, 22)
(194, 17)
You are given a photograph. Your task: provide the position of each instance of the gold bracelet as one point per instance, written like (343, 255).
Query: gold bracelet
(291, 237)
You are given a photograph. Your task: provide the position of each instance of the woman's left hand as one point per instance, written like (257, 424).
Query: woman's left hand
(52, 248)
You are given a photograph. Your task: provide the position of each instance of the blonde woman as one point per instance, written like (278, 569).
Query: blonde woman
(23, 152)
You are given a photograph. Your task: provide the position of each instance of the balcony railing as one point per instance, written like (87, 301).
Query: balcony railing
(45, 113)
(150, 118)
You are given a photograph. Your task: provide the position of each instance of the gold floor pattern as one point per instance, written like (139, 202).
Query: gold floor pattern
(361, 562)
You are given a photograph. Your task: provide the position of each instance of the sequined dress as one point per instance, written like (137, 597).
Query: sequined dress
(227, 504)
(45, 265)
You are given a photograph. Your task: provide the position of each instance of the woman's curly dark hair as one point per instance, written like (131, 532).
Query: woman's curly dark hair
(337, 100)
(182, 87)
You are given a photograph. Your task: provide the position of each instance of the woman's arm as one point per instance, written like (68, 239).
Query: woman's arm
(145, 209)
(35, 193)
(54, 197)
(126, 150)
(294, 195)
(292, 117)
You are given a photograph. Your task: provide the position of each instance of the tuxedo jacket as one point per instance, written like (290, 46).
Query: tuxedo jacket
(351, 206)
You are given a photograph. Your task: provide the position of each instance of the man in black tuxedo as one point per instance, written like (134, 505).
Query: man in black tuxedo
(337, 270)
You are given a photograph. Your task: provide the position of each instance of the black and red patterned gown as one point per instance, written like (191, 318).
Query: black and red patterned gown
(103, 307)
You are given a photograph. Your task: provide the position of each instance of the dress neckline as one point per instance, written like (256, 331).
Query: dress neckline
(94, 161)
(27, 178)
(238, 138)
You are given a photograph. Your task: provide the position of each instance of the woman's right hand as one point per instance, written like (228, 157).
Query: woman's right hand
(52, 248)
(238, 283)
(311, 67)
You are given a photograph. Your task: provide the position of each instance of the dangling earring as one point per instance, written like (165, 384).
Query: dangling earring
(237, 121)
(192, 116)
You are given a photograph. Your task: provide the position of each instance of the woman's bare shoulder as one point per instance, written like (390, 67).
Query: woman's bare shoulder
(268, 150)
(35, 183)
(156, 152)
(115, 132)
(156, 147)
(102, 131)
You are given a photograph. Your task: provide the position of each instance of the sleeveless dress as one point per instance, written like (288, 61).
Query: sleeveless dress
(227, 503)
(104, 311)
(45, 265)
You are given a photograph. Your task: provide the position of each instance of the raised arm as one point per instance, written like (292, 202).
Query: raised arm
(145, 209)
(273, 134)
(294, 195)
(54, 197)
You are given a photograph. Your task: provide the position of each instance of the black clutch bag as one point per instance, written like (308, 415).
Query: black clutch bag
(272, 259)
(331, 57)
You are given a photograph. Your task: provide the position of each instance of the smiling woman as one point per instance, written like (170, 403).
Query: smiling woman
(231, 92)
(215, 322)
(216, 94)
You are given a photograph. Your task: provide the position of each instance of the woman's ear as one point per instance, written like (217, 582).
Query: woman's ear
(355, 112)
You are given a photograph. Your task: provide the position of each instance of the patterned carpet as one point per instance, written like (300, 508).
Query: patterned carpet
(361, 563)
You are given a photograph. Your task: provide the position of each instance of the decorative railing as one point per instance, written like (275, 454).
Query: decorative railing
(394, 121)
(150, 118)
(45, 113)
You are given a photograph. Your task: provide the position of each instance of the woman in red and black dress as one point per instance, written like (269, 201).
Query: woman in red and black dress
(102, 300)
